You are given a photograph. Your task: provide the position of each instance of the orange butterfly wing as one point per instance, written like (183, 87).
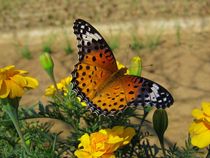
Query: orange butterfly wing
(96, 61)
(132, 91)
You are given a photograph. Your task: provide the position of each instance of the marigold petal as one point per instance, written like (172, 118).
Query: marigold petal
(4, 91)
(128, 135)
(201, 140)
(198, 114)
(22, 72)
(82, 154)
(15, 89)
(197, 127)
(85, 142)
(66, 80)
(114, 139)
(9, 67)
(31, 82)
(97, 154)
(20, 80)
(1, 81)
(50, 91)
(206, 108)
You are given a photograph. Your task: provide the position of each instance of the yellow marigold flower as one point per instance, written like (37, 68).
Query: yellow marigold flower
(62, 86)
(13, 82)
(200, 128)
(104, 143)
(119, 66)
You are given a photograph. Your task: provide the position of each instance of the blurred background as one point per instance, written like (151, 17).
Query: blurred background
(171, 36)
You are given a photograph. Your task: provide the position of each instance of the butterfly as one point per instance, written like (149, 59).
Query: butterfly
(106, 89)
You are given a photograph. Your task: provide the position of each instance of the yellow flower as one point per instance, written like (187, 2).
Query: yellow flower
(135, 67)
(13, 82)
(200, 128)
(104, 143)
(62, 86)
(119, 66)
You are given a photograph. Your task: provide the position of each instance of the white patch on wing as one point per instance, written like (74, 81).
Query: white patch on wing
(87, 38)
(91, 36)
(155, 85)
(98, 36)
(155, 90)
(153, 97)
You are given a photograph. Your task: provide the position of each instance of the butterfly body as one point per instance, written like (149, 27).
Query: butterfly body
(105, 88)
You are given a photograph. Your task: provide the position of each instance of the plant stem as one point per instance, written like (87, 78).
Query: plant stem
(54, 82)
(163, 148)
(11, 111)
(139, 131)
(208, 155)
(142, 121)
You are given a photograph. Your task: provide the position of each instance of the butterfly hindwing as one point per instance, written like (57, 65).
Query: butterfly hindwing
(151, 93)
(128, 91)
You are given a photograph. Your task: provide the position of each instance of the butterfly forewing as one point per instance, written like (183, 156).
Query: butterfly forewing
(96, 61)
(91, 42)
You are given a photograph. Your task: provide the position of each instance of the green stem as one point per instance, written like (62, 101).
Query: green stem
(54, 82)
(142, 121)
(11, 111)
(208, 155)
(139, 131)
(163, 147)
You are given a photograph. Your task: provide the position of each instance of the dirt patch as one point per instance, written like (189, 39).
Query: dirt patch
(23, 14)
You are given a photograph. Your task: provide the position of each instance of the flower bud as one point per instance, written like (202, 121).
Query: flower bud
(47, 63)
(160, 123)
(135, 66)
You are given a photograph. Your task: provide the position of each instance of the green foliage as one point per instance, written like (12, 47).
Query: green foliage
(178, 34)
(114, 42)
(47, 44)
(185, 152)
(136, 44)
(37, 136)
(153, 40)
(26, 53)
(24, 50)
(68, 48)
(148, 41)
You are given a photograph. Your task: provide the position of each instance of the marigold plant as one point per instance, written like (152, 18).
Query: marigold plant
(62, 87)
(104, 143)
(13, 82)
(200, 128)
